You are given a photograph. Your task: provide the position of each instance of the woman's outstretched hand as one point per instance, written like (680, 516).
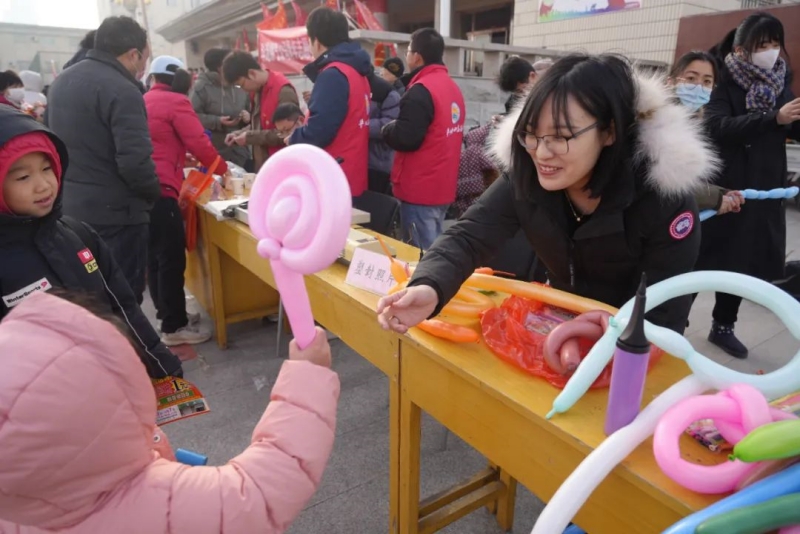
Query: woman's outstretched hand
(407, 308)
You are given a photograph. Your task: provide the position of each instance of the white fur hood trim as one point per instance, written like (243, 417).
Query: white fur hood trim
(680, 157)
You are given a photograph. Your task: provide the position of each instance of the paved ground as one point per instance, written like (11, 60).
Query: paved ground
(354, 494)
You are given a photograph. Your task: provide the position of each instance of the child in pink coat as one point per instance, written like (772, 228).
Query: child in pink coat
(77, 419)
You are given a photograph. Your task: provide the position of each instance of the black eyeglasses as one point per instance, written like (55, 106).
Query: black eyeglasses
(557, 144)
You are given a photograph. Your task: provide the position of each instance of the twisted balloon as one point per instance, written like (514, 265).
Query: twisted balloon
(300, 211)
(775, 384)
(752, 194)
(735, 412)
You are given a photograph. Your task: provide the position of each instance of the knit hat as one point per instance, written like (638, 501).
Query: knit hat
(395, 66)
(23, 145)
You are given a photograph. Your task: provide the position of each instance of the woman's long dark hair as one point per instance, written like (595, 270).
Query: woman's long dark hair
(180, 82)
(604, 87)
(690, 57)
(754, 30)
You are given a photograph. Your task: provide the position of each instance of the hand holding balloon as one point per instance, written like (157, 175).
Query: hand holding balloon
(300, 210)
(752, 194)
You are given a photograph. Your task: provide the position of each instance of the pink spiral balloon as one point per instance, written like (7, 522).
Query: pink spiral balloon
(735, 413)
(300, 211)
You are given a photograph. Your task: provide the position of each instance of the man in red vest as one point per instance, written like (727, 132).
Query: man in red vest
(268, 90)
(338, 121)
(427, 138)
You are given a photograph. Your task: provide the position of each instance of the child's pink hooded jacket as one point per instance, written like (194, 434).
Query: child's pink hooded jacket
(77, 418)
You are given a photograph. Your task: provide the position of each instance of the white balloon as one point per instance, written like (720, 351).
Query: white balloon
(577, 488)
(772, 385)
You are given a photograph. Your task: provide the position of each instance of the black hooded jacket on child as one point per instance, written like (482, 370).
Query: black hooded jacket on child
(58, 252)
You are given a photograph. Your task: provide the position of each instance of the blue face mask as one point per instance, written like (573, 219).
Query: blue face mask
(693, 96)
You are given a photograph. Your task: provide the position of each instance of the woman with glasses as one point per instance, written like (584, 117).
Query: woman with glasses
(751, 114)
(693, 78)
(601, 167)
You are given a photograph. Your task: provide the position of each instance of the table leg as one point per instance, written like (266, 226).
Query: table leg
(394, 455)
(492, 506)
(215, 268)
(505, 504)
(410, 437)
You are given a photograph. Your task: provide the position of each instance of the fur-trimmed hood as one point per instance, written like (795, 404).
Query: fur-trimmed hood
(678, 156)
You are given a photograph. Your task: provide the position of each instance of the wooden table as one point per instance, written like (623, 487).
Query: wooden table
(495, 408)
(233, 283)
(500, 412)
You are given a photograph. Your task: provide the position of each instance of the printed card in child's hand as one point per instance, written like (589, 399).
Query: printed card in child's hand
(371, 271)
(178, 399)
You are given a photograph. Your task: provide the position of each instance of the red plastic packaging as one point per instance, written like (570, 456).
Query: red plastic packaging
(516, 332)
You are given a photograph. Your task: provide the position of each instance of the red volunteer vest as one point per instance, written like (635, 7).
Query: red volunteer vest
(269, 102)
(352, 140)
(428, 176)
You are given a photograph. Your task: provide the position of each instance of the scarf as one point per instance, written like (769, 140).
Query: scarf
(763, 87)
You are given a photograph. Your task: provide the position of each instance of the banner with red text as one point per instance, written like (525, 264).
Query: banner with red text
(286, 50)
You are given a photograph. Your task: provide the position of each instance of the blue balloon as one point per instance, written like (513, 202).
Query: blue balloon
(190, 458)
(778, 485)
(752, 194)
(773, 385)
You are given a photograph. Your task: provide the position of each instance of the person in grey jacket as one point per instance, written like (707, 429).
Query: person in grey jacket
(222, 109)
(383, 109)
(96, 108)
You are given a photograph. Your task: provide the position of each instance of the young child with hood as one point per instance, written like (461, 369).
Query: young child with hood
(77, 420)
(42, 250)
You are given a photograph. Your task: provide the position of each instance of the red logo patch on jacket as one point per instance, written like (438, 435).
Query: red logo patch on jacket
(87, 258)
(681, 227)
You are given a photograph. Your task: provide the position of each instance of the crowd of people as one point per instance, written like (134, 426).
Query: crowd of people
(600, 169)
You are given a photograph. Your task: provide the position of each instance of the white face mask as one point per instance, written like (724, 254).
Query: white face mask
(765, 59)
(16, 95)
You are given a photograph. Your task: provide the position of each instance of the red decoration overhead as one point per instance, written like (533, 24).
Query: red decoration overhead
(299, 15)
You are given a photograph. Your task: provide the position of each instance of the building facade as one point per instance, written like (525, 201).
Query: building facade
(156, 13)
(643, 29)
(43, 49)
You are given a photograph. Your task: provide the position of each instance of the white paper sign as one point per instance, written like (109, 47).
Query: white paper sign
(371, 271)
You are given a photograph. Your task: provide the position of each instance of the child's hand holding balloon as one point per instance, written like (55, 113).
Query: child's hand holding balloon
(318, 352)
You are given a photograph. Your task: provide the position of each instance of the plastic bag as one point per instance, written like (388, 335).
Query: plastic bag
(193, 186)
(516, 332)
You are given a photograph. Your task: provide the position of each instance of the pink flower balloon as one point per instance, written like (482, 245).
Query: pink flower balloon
(300, 211)
(735, 412)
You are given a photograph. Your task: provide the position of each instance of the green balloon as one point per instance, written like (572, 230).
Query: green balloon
(773, 441)
(755, 519)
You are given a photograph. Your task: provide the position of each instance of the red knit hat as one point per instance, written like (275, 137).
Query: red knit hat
(22, 145)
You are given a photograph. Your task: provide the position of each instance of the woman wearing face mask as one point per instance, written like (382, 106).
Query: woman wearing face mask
(693, 77)
(751, 114)
(601, 166)
(12, 90)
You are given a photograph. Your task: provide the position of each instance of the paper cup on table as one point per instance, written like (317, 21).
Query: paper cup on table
(237, 184)
(249, 179)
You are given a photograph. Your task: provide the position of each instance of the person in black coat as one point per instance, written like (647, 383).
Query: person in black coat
(96, 107)
(42, 250)
(87, 43)
(603, 193)
(516, 76)
(751, 114)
